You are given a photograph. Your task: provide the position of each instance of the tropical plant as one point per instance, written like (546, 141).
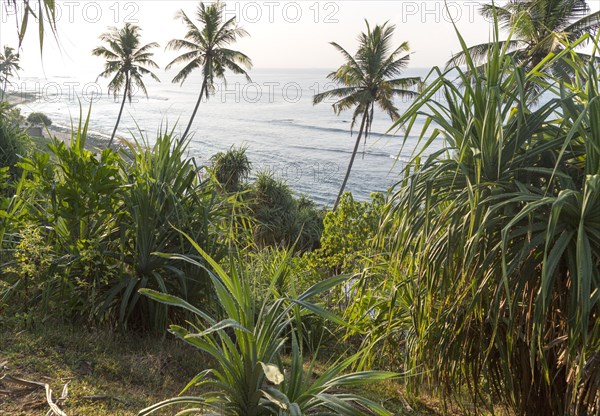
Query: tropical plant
(538, 28)
(207, 48)
(310, 220)
(231, 168)
(9, 65)
(126, 62)
(163, 190)
(246, 345)
(275, 210)
(367, 79)
(347, 241)
(281, 219)
(349, 246)
(14, 142)
(104, 215)
(498, 234)
(72, 200)
(43, 11)
(39, 119)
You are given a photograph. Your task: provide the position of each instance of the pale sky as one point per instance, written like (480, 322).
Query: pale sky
(284, 34)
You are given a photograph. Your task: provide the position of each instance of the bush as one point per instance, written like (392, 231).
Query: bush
(14, 142)
(347, 241)
(281, 219)
(499, 234)
(231, 169)
(164, 196)
(105, 217)
(246, 346)
(39, 119)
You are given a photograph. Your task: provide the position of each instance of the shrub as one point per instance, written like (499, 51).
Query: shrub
(499, 234)
(246, 344)
(39, 119)
(14, 142)
(163, 195)
(348, 239)
(281, 219)
(231, 169)
(73, 199)
(106, 215)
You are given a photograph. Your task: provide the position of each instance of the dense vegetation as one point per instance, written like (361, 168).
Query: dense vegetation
(39, 119)
(476, 279)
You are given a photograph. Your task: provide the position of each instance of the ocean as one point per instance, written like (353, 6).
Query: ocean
(307, 146)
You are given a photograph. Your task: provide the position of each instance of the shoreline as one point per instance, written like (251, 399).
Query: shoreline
(93, 142)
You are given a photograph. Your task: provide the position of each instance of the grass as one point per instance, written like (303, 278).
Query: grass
(108, 373)
(119, 374)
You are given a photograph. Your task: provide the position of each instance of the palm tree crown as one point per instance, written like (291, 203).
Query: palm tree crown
(9, 65)
(206, 47)
(126, 62)
(370, 78)
(538, 27)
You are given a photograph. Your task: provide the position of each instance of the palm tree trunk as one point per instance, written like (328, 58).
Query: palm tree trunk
(4, 89)
(120, 111)
(202, 91)
(360, 133)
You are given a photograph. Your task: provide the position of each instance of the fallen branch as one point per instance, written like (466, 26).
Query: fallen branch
(33, 385)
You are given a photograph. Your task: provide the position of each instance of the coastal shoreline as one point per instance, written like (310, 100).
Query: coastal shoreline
(93, 141)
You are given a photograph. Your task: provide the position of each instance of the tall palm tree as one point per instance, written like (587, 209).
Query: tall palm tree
(537, 27)
(207, 48)
(369, 78)
(124, 63)
(9, 64)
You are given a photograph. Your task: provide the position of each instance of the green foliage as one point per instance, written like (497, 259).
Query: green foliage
(14, 142)
(371, 300)
(348, 237)
(281, 219)
(246, 345)
(497, 233)
(32, 263)
(231, 169)
(73, 200)
(39, 119)
(535, 27)
(163, 192)
(103, 216)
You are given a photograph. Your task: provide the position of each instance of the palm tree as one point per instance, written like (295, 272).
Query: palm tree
(367, 79)
(124, 59)
(9, 64)
(538, 27)
(207, 48)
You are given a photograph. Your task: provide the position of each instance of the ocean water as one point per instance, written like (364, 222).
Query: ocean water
(273, 116)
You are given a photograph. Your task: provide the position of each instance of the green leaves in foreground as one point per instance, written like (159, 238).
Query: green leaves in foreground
(500, 231)
(246, 344)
